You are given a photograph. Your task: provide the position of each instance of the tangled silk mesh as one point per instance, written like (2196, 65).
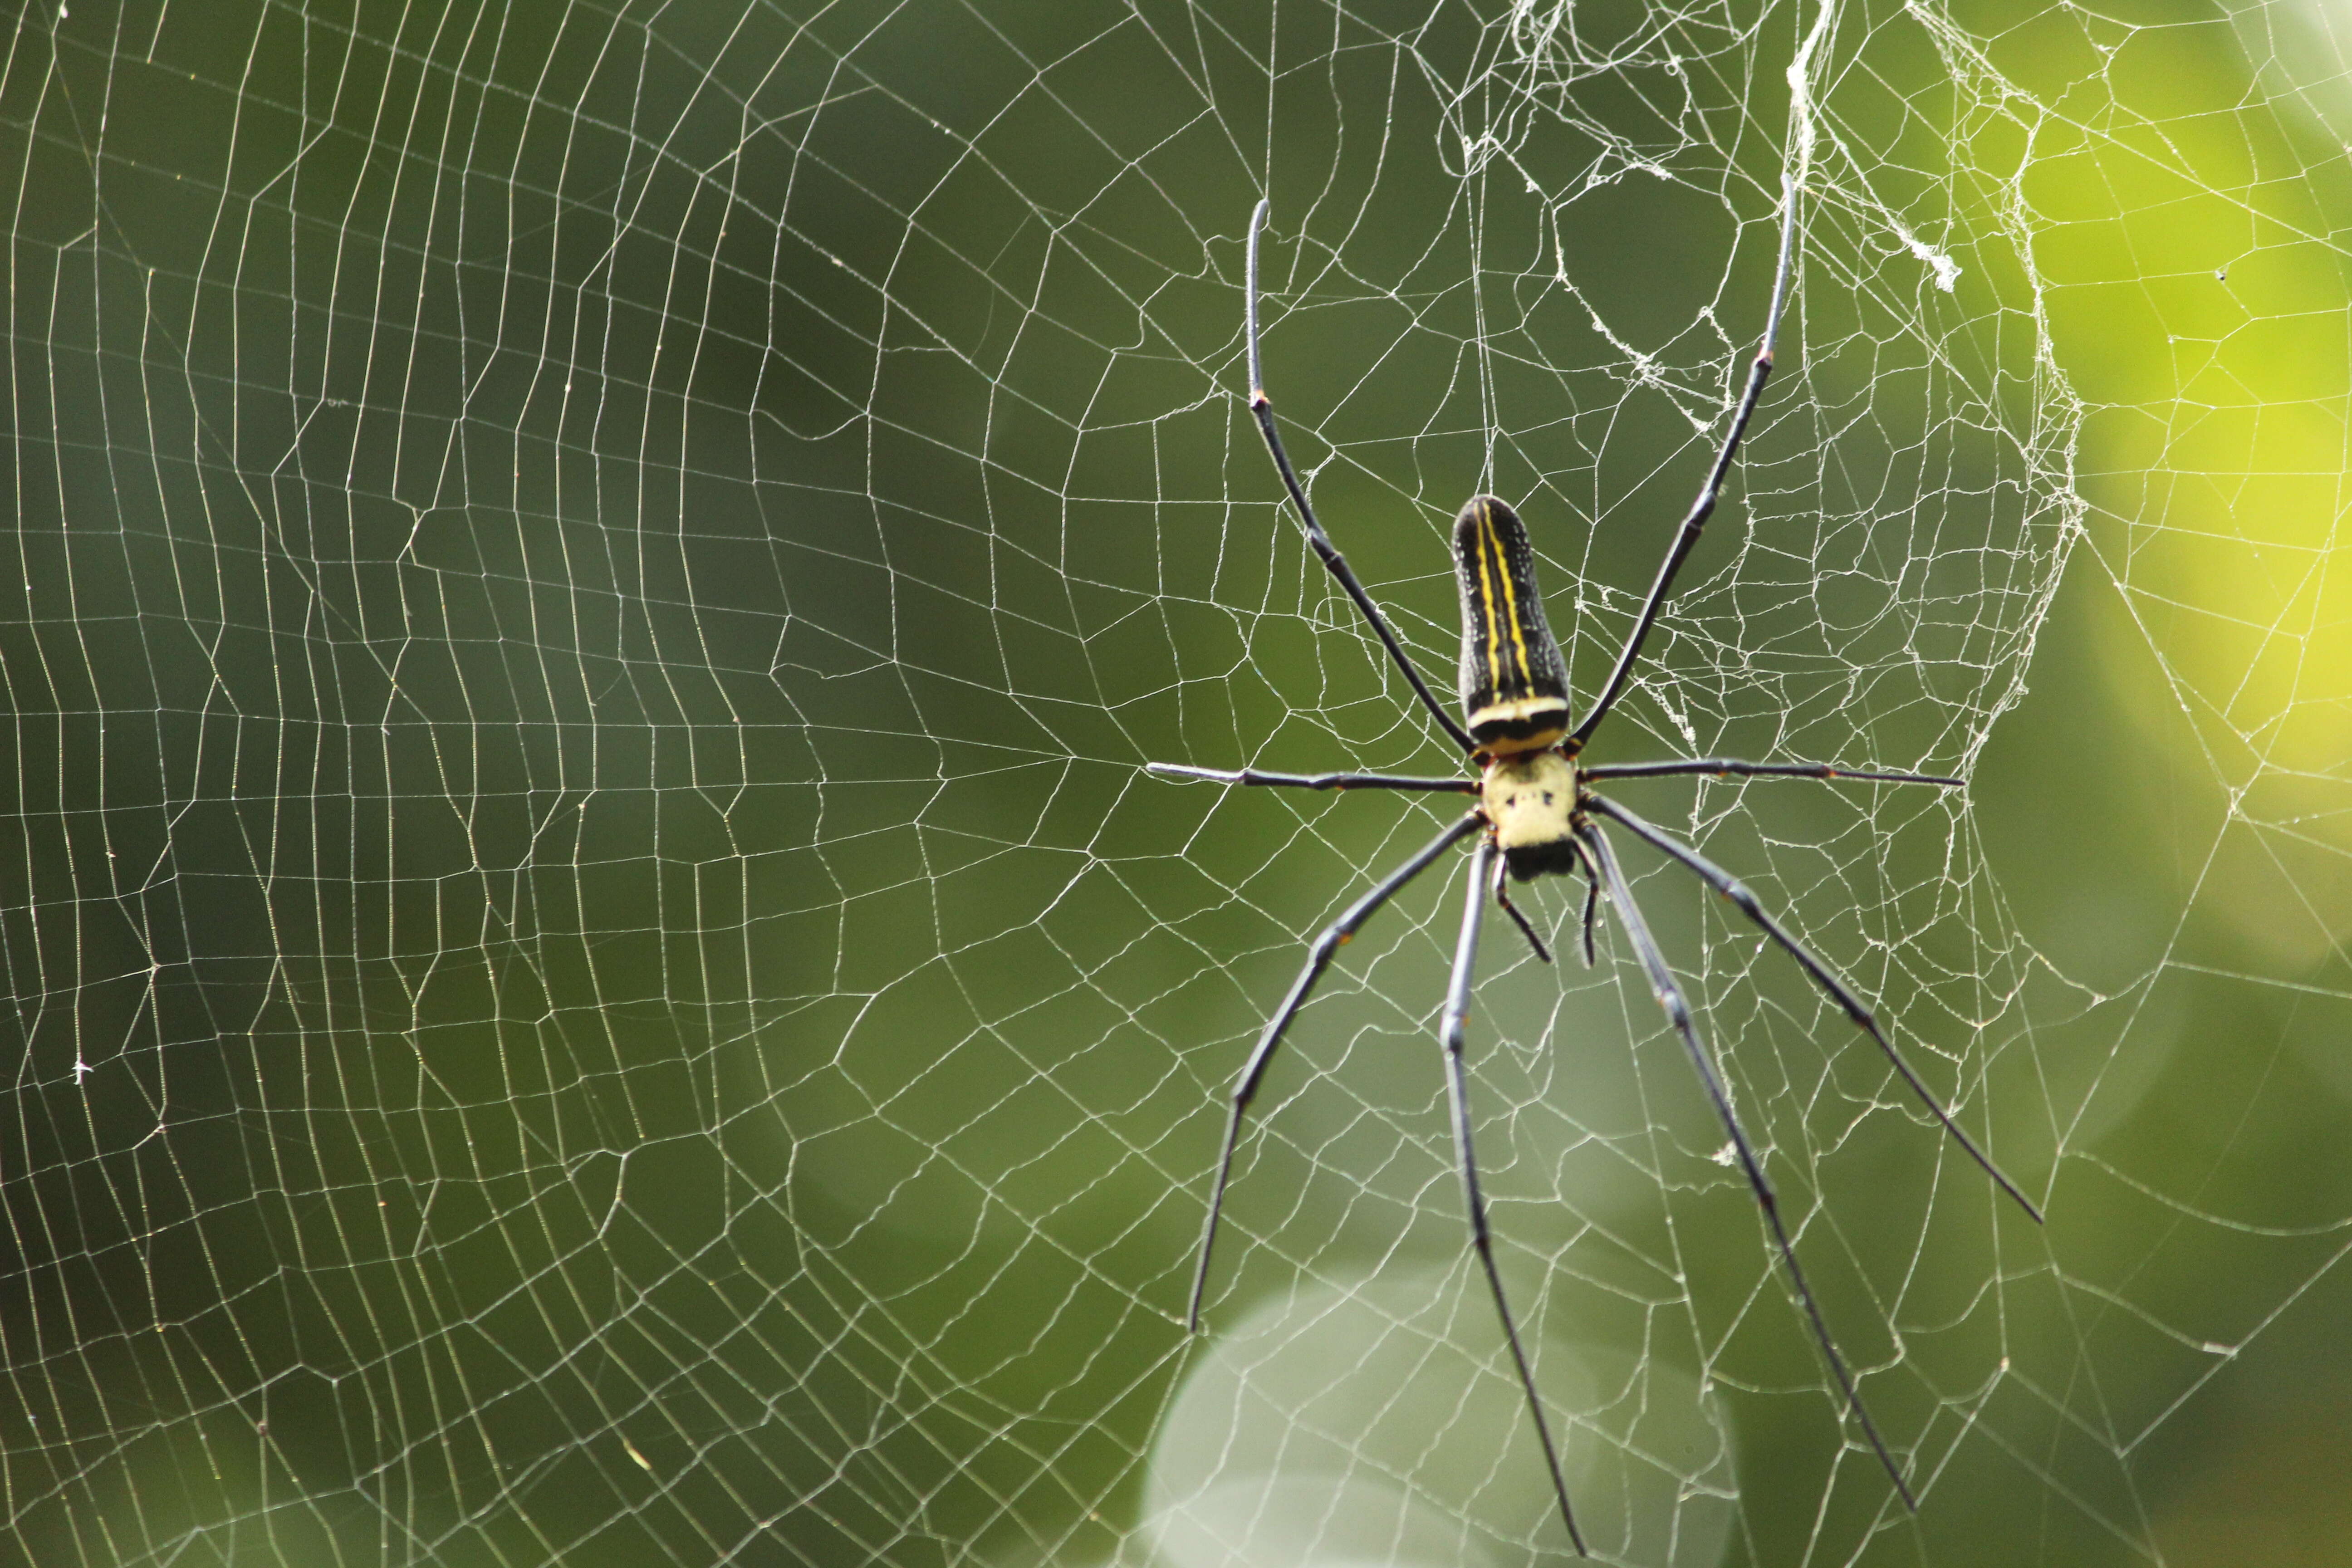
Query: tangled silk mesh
(596, 979)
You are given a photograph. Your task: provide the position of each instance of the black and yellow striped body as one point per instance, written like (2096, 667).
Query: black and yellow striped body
(1513, 680)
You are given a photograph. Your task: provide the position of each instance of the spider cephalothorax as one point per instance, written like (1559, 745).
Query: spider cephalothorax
(1537, 816)
(1529, 802)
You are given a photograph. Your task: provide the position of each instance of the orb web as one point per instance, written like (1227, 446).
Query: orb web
(594, 971)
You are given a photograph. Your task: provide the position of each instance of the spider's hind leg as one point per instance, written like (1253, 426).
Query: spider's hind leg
(1261, 410)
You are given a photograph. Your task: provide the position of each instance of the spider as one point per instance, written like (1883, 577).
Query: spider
(1537, 815)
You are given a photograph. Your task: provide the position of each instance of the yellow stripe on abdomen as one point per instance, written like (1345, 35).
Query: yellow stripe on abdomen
(1491, 559)
(1514, 681)
(1490, 566)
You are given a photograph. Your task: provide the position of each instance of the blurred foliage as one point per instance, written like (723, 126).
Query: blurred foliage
(596, 981)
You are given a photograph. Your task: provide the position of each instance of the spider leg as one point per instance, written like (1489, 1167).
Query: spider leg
(1670, 997)
(1701, 508)
(1457, 1090)
(1262, 408)
(1822, 975)
(1591, 900)
(1317, 960)
(1723, 767)
(1512, 910)
(1311, 781)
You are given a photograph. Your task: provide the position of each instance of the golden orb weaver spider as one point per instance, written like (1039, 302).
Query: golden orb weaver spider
(1536, 816)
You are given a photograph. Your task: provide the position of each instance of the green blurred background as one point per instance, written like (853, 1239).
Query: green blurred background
(594, 978)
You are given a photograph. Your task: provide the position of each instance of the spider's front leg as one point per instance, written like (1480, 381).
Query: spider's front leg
(1820, 972)
(1451, 1028)
(1669, 993)
(1318, 959)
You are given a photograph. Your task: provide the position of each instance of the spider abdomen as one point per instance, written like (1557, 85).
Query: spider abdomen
(1513, 680)
(1530, 799)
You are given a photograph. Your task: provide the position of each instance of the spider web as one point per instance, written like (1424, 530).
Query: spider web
(595, 977)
